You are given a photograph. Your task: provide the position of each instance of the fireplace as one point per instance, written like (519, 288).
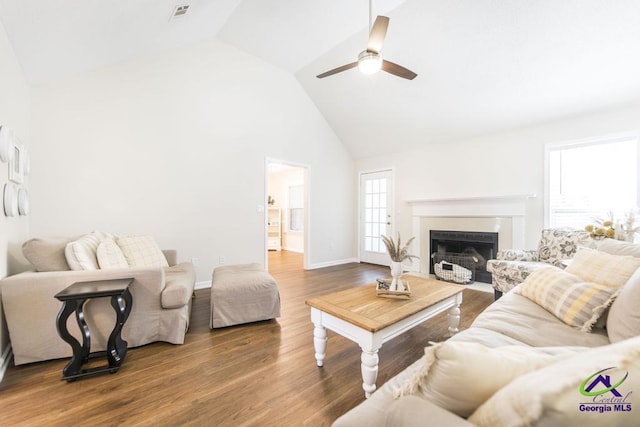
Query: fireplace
(469, 249)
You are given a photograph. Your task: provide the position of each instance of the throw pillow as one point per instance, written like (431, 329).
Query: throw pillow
(568, 297)
(601, 267)
(46, 254)
(458, 376)
(141, 251)
(110, 255)
(553, 395)
(81, 253)
(624, 317)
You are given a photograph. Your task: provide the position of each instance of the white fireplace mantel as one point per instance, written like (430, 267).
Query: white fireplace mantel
(503, 205)
(511, 207)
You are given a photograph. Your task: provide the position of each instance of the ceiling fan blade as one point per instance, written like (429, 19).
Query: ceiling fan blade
(377, 34)
(398, 70)
(337, 70)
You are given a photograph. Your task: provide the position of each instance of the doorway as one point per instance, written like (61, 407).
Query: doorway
(286, 210)
(376, 210)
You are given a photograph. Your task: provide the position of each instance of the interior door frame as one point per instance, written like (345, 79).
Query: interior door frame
(306, 256)
(392, 207)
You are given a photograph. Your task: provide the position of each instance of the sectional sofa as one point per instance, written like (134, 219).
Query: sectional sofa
(528, 358)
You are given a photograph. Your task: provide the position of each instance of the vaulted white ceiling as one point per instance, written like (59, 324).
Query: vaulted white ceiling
(483, 65)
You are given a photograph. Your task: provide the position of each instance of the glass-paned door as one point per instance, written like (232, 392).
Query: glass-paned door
(376, 196)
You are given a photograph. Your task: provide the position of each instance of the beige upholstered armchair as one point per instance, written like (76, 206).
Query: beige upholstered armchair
(512, 266)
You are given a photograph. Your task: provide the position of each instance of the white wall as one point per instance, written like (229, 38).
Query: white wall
(14, 109)
(499, 164)
(174, 145)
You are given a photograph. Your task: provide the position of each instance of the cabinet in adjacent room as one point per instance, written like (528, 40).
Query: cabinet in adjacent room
(274, 229)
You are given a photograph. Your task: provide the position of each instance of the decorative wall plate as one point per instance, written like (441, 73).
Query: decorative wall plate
(10, 199)
(6, 142)
(23, 201)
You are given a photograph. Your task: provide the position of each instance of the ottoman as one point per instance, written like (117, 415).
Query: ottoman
(241, 294)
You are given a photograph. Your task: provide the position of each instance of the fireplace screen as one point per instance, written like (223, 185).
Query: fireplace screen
(461, 256)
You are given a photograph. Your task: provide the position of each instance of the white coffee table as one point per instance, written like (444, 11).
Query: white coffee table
(370, 321)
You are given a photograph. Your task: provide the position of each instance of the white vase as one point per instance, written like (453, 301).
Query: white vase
(624, 235)
(396, 272)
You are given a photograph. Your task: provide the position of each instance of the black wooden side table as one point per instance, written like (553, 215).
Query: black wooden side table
(74, 297)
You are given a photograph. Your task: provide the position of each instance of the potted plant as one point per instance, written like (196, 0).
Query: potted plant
(398, 253)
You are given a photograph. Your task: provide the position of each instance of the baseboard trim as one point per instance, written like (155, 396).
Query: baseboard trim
(4, 360)
(332, 263)
(202, 285)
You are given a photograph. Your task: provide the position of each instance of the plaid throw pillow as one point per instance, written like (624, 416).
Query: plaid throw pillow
(142, 251)
(568, 297)
(600, 267)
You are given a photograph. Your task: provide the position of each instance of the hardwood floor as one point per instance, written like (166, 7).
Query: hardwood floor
(262, 374)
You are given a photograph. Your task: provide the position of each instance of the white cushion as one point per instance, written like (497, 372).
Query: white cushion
(460, 376)
(110, 255)
(141, 251)
(81, 253)
(618, 247)
(624, 316)
(603, 268)
(552, 396)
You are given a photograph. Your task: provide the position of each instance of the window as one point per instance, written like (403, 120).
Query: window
(296, 208)
(589, 179)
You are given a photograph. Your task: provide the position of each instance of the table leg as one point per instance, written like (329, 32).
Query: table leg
(116, 346)
(84, 331)
(320, 342)
(453, 317)
(73, 367)
(128, 299)
(369, 368)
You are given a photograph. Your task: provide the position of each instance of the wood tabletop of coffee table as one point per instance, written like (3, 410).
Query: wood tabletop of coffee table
(363, 308)
(369, 320)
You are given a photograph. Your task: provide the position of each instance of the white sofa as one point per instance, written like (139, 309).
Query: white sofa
(160, 312)
(545, 396)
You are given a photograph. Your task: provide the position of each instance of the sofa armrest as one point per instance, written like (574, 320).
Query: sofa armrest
(505, 275)
(413, 411)
(171, 255)
(180, 280)
(518, 255)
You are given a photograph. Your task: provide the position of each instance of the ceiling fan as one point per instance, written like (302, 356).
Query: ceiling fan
(370, 60)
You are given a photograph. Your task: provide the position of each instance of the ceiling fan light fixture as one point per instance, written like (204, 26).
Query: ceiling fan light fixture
(369, 62)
